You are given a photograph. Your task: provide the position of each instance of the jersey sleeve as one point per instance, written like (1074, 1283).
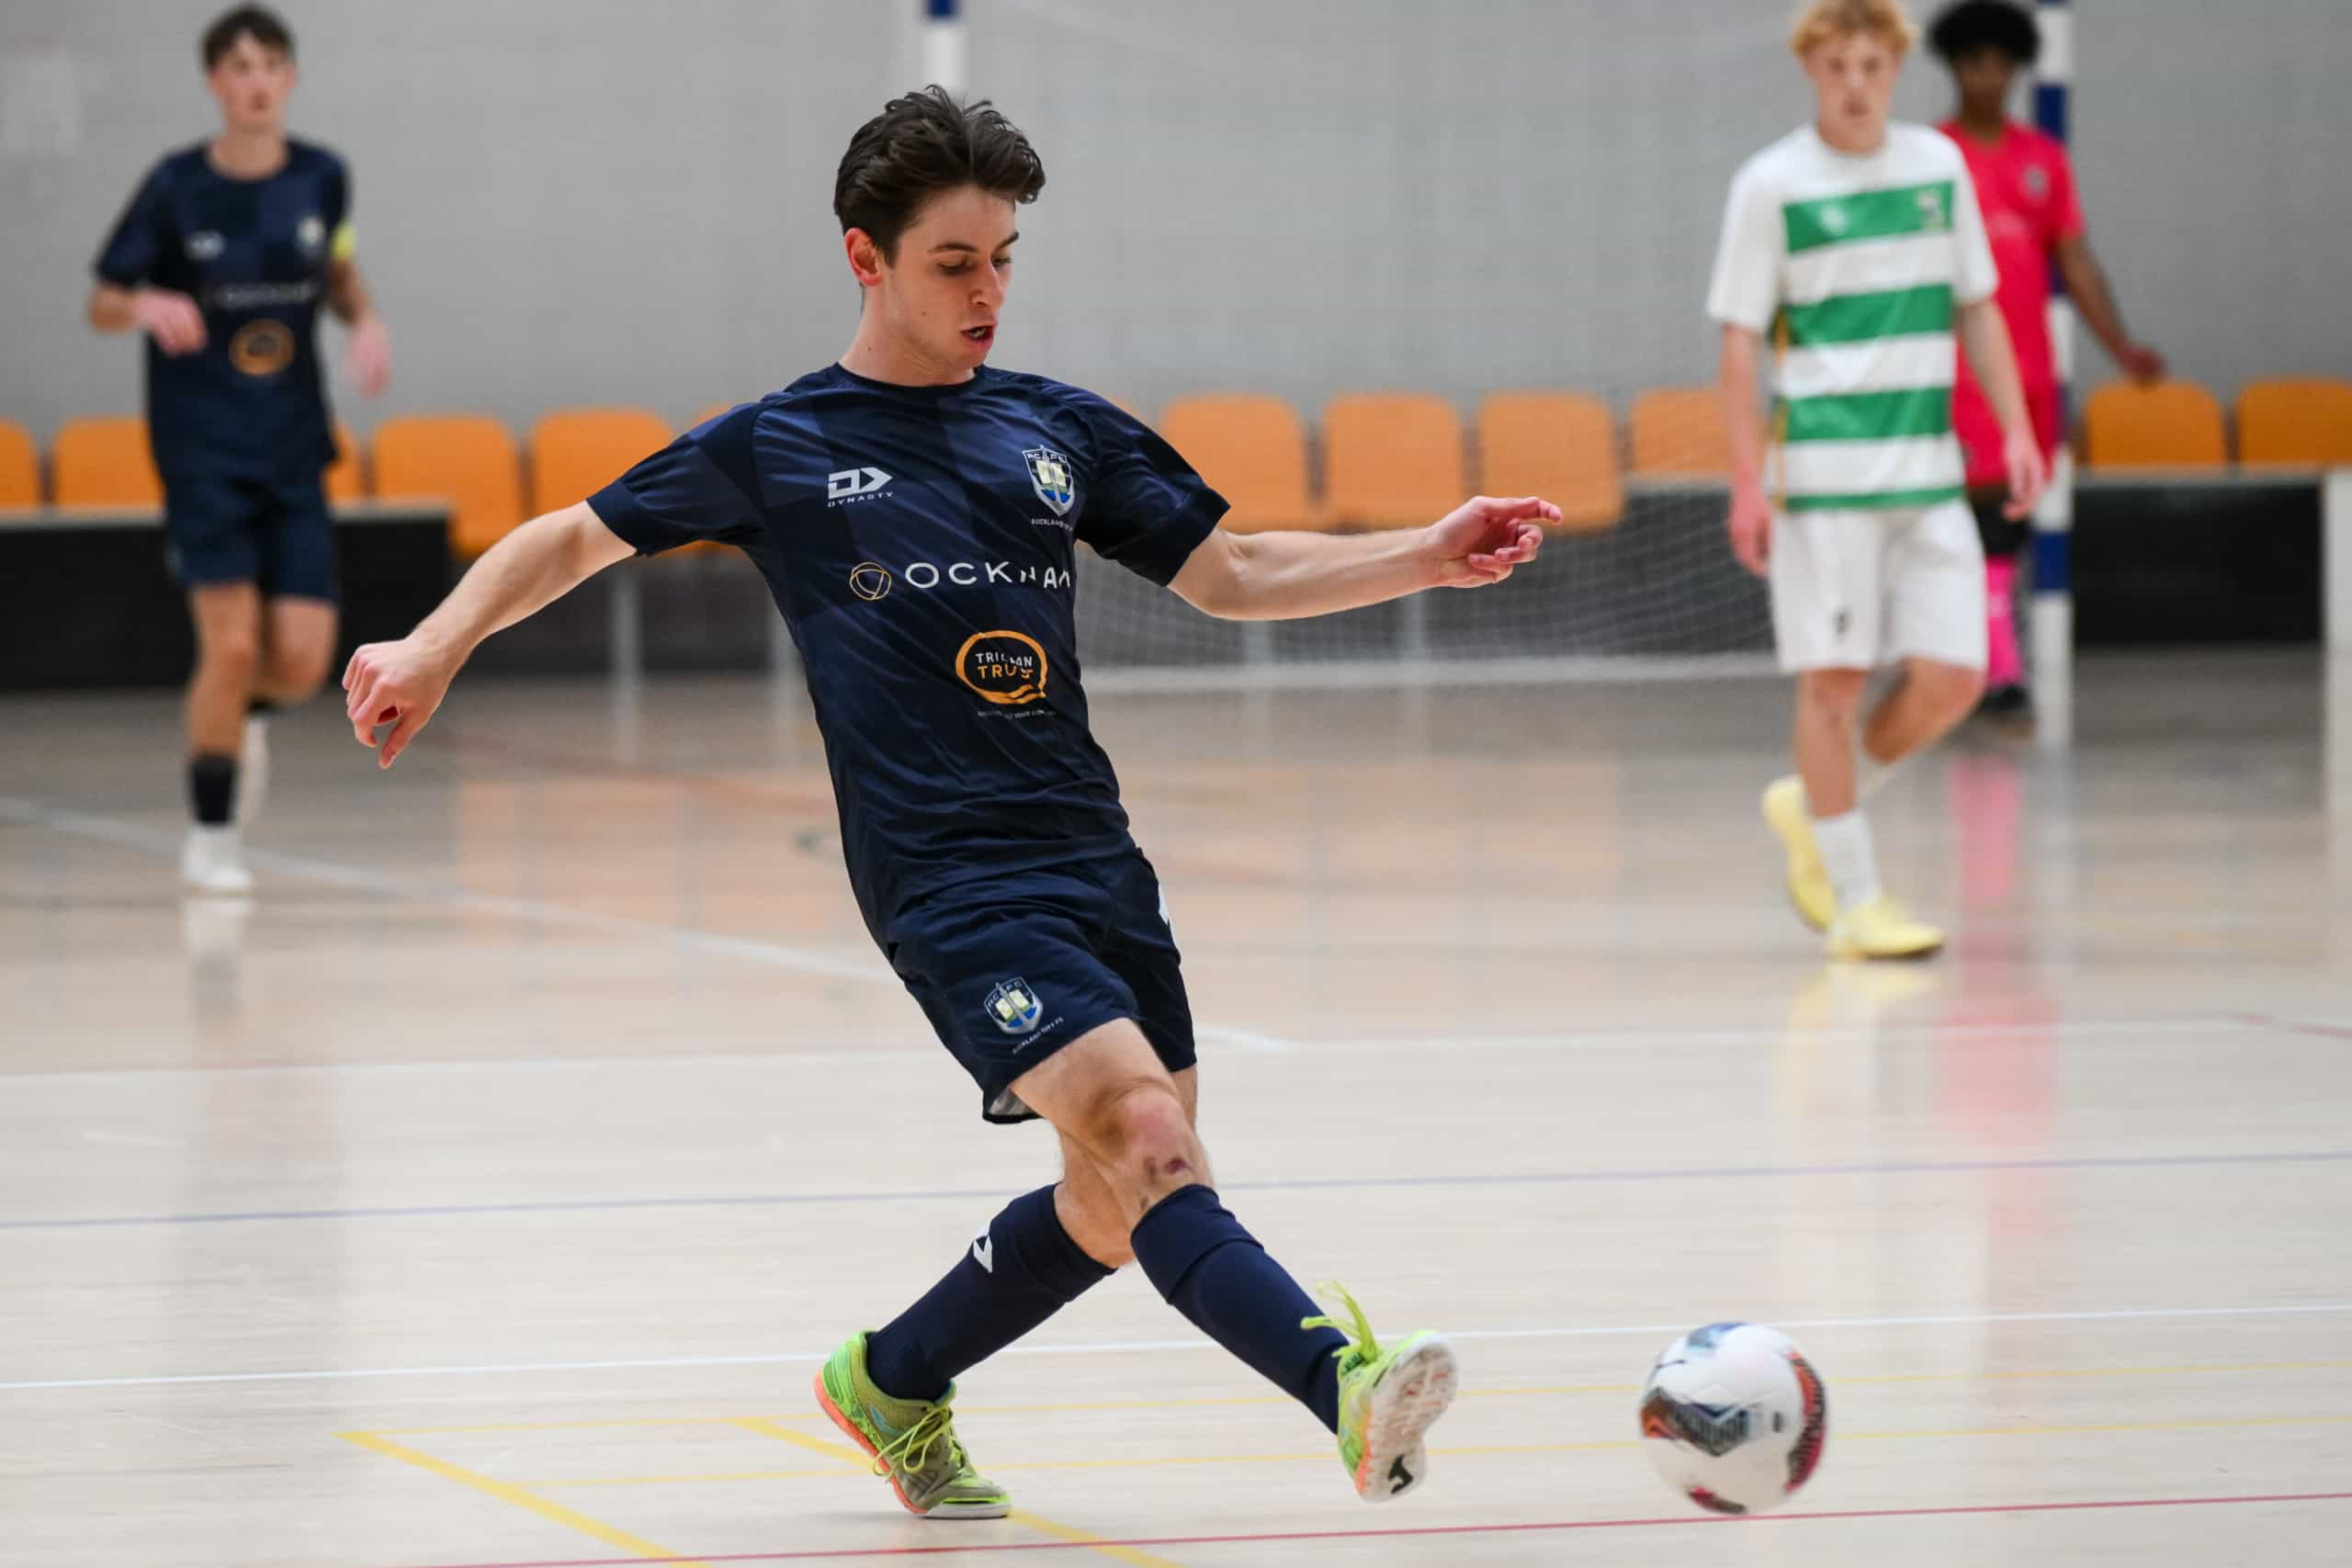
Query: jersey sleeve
(2065, 204)
(1149, 510)
(699, 488)
(1974, 277)
(1747, 287)
(141, 236)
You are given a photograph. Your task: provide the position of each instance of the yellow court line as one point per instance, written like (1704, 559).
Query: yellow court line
(1542, 1390)
(1037, 1522)
(1323, 1456)
(508, 1492)
(767, 1426)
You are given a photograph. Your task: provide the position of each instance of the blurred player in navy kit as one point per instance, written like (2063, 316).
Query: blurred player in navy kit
(223, 259)
(917, 512)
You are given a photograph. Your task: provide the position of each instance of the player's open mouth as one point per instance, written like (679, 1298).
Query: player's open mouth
(981, 335)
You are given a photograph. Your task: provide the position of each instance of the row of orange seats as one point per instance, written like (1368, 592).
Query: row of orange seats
(1387, 459)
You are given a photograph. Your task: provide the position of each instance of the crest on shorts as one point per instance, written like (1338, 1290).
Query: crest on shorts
(1013, 1007)
(1049, 475)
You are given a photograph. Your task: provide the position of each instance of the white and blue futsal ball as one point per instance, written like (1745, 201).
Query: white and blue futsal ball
(1734, 1417)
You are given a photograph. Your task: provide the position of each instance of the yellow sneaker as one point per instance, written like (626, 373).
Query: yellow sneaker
(1809, 890)
(1881, 929)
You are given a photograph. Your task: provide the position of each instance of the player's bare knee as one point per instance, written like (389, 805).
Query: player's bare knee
(1148, 1139)
(296, 673)
(1832, 698)
(231, 653)
(1951, 690)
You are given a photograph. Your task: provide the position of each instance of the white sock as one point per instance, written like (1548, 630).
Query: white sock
(1846, 855)
(1871, 775)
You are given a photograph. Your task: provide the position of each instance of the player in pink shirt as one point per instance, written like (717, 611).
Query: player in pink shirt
(2026, 188)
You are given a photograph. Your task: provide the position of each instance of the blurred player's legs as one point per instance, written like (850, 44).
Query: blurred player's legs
(228, 655)
(1853, 590)
(2004, 541)
(259, 562)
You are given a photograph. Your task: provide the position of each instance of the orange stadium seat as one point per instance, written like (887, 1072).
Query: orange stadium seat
(2172, 424)
(577, 452)
(1391, 460)
(346, 478)
(1679, 430)
(1253, 450)
(1559, 445)
(2296, 420)
(20, 466)
(467, 457)
(104, 461)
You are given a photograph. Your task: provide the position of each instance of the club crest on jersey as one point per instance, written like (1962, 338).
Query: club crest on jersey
(1931, 209)
(312, 233)
(1049, 474)
(1013, 1007)
(206, 244)
(2036, 182)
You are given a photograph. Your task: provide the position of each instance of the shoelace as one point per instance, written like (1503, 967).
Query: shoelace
(1365, 1349)
(912, 1448)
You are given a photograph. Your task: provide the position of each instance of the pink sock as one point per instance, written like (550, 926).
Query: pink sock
(2003, 667)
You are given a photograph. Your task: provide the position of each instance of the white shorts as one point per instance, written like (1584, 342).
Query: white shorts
(1856, 589)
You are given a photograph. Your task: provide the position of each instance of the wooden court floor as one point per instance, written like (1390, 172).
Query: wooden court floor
(485, 1192)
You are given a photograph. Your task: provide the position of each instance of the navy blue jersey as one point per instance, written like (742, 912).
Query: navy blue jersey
(253, 256)
(919, 541)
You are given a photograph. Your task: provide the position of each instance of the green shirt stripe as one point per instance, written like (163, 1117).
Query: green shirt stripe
(1859, 318)
(1868, 215)
(1868, 416)
(1872, 501)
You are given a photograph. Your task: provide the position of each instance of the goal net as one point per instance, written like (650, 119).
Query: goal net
(1308, 202)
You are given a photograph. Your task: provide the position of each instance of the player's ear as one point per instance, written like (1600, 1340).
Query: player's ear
(865, 257)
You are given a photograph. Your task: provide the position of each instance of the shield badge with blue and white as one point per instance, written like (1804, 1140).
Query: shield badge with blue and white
(1014, 1007)
(1049, 474)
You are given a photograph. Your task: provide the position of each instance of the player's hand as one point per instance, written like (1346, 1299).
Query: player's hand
(171, 319)
(368, 359)
(397, 683)
(2142, 363)
(1750, 525)
(2028, 473)
(1482, 540)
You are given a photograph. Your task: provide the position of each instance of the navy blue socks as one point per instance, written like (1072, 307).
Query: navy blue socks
(1213, 1271)
(1022, 1272)
(211, 788)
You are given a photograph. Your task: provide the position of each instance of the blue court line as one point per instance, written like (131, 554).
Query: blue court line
(1307, 1184)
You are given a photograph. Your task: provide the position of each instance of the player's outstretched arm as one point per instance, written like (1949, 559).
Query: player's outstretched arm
(1281, 577)
(401, 683)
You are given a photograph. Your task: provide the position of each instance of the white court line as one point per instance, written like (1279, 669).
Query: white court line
(806, 961)
(1162, 1347)
(785, 1057)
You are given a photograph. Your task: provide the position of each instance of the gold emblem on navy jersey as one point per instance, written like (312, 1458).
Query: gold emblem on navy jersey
(868, 580)
(1008, 668)
(262, 347)
(1050, 476)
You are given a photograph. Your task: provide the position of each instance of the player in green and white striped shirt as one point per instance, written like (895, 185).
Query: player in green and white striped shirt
(1858, 246)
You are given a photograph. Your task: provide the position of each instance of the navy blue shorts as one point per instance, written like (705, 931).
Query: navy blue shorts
(275, 534)
(1011, 969)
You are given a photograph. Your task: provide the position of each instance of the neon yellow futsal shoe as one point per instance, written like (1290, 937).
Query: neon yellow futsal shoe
(1881, 929)
(912, 1442)
(1388, 1399)
(1785, 811)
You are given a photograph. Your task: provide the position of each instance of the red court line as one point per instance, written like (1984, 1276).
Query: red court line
(846, 1554)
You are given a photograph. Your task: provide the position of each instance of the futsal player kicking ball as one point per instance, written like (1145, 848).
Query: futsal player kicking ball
(1858, 245)
(2033, 221)
(917, 515)
(222, 259)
